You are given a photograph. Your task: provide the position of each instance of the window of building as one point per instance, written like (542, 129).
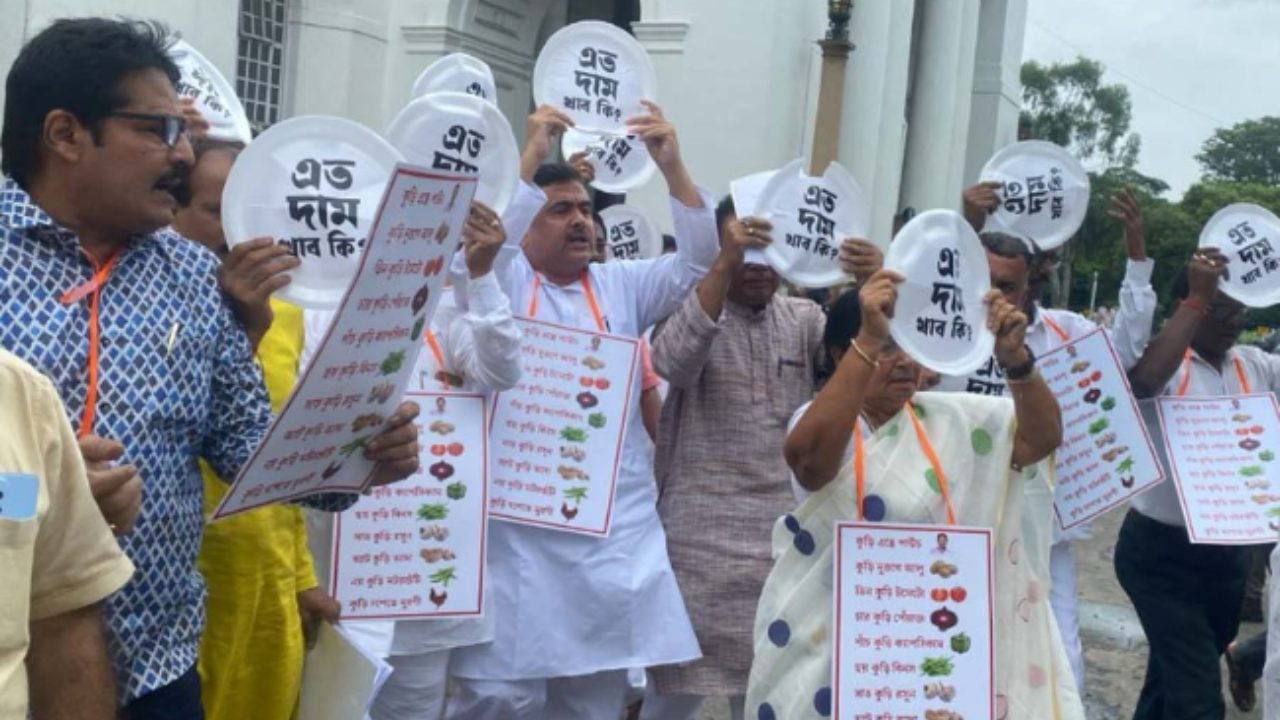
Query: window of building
(260, 63)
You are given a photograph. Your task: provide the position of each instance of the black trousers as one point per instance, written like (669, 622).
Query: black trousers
(1188, 599)
(179, 700)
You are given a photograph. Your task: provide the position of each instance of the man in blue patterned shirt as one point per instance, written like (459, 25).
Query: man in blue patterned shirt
(127, 319)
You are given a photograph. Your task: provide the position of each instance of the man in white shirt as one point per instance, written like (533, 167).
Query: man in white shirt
(1188, 596)
(1012, 263)
(574, 612)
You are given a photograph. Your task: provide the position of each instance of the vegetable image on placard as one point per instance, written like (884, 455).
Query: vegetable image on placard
(577, 495)
(939, 691)
(961, 643)
(1099, 425)
(456, 491)
(353, 446)
(937, 667)
(432, 512)
(442, 578)
(434, 555)
(597, 420)
(944, 619)
(392, 363)
(573, 434)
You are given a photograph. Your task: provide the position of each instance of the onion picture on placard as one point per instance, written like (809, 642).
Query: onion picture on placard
(1044, 192)
(811, 218)
(941, 316)
(312, 183)
(597, 74)
(1247, 235)
(456, 132)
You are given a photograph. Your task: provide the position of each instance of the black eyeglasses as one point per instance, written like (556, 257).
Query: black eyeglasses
(171, 127)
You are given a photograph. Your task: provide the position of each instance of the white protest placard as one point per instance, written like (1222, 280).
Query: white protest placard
(214, 97)
(416, 549)
(746, 199)
(457, 72)
(1106, 456)
(597, 74)
(557, 436)
(362, 367)
(987, 379)
(314, 184)
(811, 216)
(621, 162)
(1044, 193)
(340, 677)
(1222, 453)
(914, 631)
(630, 233)
(1247, 235)
(941, 316)
(456, 132)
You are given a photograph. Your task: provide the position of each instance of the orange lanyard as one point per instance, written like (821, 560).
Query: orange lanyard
(859, 464)
(92, 288)
(439, 356)
(586, 289)
(1186, 375)
(1054, 327)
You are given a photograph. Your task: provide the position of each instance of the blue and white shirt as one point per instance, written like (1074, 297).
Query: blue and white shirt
(177, 382)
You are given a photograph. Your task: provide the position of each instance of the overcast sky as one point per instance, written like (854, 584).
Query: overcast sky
(1190, 66)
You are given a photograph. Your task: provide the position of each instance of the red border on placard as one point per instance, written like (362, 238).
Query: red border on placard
(400, 170)
(988, 533)
(336, 543)
(1142, 425)
(622, 430)
(1177, 485)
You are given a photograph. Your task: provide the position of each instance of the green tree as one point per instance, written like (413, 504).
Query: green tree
(1247, 152)
(1069, 104)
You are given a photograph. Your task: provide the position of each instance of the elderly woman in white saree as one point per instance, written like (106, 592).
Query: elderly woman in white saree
(925, 459)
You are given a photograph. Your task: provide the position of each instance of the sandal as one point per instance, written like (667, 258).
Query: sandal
(1242, 691)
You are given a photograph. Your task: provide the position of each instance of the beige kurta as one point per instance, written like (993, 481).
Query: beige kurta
(722, 478)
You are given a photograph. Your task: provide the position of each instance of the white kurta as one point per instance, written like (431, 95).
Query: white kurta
(482, 345)
(569, 605)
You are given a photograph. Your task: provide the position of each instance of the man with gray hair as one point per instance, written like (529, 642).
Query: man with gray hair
(1018, 271)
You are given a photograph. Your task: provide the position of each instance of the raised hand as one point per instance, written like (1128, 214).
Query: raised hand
(1010, 327)
(860, 259)
(482, 238)
(1124, 207)
(980, 201)
(251, 272)
(542, 131)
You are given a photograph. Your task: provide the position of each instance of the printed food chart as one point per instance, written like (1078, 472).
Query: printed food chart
(1222, 451)
(557, 436)
(1106, 456)
(416, 549)
(913, 612)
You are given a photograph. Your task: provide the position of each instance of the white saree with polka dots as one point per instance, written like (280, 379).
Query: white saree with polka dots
(791, 677)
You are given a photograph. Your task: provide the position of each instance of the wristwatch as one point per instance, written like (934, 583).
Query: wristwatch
(1023, 371)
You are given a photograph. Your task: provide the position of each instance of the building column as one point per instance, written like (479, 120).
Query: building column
(873, 141)
(997, 86)
(938, 126)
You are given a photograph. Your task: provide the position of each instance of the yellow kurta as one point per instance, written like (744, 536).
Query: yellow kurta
(255, 565)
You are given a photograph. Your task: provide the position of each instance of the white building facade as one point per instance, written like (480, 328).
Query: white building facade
(932, 85)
